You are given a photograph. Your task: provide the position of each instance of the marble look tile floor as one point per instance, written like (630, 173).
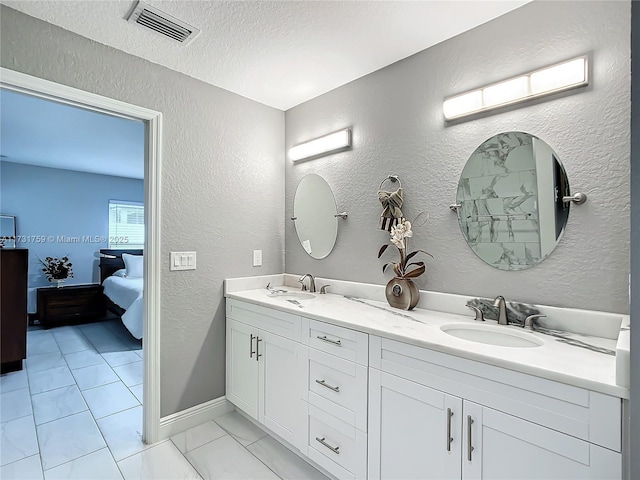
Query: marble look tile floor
(75, 412)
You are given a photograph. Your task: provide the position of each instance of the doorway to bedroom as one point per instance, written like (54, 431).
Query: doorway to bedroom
(84, 371)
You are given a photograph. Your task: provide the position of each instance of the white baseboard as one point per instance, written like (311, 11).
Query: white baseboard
(194, 416)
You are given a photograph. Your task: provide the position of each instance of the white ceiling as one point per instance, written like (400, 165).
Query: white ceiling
(40, 132)
(280, 53)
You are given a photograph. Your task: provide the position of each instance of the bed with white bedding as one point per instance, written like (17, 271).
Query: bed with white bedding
(123, 286)
(127, 294)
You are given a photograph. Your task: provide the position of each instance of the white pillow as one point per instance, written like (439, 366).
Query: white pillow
(120, 273)
(133, 265)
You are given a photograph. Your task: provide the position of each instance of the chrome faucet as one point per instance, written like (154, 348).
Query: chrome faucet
(312, 283)
(502, 310)
(530, 320)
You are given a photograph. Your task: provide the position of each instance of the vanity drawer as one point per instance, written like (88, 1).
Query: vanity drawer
(268, 319)
(336, 446)
(339, 387)
(339, 341)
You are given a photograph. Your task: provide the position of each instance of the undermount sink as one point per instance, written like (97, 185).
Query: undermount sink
(492, 335)
(292, 295)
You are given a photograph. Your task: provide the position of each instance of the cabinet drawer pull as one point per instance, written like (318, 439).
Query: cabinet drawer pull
(449, 437)
(251, 352)
(258, 355)
(469, 446)
(325, 384)
(328, 340)
(335, 450)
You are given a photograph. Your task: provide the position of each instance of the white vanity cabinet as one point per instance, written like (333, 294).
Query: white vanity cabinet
(490, 423)
(363, 406)
(262, 368)
(304, 380)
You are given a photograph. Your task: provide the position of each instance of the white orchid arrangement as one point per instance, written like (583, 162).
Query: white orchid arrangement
(399, 237)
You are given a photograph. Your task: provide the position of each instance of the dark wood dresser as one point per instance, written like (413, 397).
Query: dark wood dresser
(14, 264)
(70, 304)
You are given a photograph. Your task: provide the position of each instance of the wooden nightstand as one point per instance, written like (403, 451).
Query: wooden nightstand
(69, 304)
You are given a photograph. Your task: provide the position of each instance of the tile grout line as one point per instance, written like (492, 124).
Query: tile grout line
(74, 459)
(255, 456)
(187, 459)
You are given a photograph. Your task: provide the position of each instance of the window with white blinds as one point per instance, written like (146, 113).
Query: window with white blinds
(126, 224)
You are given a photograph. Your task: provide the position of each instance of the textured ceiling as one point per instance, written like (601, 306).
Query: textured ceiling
(50, 134)
(280, 53)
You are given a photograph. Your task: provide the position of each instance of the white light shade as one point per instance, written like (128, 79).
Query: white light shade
(505, 92)
(330, 143)
(562, 76)
(559, 76)
(462, 104)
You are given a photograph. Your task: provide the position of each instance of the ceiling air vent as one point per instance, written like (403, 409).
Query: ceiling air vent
(163, 23)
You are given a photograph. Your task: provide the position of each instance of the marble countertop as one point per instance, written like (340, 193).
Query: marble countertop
(560, 359)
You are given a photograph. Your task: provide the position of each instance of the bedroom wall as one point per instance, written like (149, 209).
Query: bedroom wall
(398, 128)
(222, 187)
(58, 206)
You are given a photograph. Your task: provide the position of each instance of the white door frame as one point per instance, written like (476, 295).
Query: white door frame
(20, 82)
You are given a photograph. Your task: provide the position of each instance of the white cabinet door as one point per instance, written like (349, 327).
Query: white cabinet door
(414, 431)
(506, 447)
(242, 367)
(280, 384)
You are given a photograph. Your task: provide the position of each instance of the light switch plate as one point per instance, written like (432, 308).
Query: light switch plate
(257, 258)
(183, 261)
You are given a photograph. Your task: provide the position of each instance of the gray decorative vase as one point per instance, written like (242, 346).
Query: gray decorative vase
(402, 293)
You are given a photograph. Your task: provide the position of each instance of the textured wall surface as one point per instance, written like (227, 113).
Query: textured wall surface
(222, 187)
(398, 128)
(634, 460)
(54, 203)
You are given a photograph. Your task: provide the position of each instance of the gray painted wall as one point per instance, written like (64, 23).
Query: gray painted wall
(634, 460)
(222, 187)
(398, 128)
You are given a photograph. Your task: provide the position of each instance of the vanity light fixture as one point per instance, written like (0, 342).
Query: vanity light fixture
(545, 81)
(318, 147)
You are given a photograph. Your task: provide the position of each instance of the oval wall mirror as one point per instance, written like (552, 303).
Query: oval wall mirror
(314, 214)
(510, 193)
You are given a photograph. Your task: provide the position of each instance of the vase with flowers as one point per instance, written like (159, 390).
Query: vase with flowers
(57, 270)
(401, 291)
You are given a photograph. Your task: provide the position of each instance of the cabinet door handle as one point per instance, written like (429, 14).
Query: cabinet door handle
(335, 450)
(328, 340)
(469, 446)
(449, 437)
(258, 354)
(325, 384)
(251, 352)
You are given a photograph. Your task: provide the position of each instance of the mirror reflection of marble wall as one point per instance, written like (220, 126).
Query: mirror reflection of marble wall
(314, 210)
(510, 192)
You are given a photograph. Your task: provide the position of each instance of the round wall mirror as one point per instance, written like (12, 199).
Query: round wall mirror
(314, 214)
(510, 193)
